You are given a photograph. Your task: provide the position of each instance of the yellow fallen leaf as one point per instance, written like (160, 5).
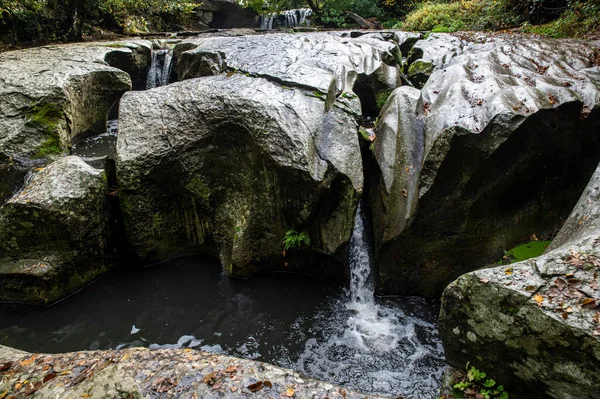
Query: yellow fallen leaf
(27, 362)
(4, 394)
(538, 298)
(86, 395)
(509, 270)
(289, 393)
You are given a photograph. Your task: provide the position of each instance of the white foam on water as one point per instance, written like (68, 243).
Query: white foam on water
(370, 346)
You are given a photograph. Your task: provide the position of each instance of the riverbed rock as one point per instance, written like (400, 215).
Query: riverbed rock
(317, 61)
(430, 54)
(229, 164)
(534, 326)
(55, 235)
(51, 97)
(143, 373)
(509, 140)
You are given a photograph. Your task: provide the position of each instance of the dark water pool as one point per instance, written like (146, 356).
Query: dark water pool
(286, 319)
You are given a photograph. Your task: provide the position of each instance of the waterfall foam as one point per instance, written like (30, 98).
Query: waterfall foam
(160, 68)
(377, 346)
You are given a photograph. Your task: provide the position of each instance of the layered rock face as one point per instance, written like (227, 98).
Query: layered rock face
(497, 146)
(263, 141)
(535, 326)
(56, 234)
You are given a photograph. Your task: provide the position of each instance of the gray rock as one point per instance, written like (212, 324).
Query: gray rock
(313, 61)
(430, 54)
(169, 373)
(229, 163)
(50, 97)
(534, 326)
(55, 235)
(509, 141)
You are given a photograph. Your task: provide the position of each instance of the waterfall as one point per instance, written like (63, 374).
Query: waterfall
(361, 282)
(160, 68)
(266, 21)
(287, 19)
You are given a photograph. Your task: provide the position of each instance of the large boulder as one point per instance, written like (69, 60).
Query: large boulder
(56, 235)
(264, 143)
(534, 326)
(502, 141)
(228, 164)
(53, 96)
(318, 61)
(167, 373)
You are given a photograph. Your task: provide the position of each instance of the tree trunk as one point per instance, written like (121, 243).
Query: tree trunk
(363, 23)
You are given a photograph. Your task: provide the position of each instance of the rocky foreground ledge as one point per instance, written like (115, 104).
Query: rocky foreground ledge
(162, 373)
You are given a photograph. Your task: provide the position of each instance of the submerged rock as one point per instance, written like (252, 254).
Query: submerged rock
(56, 234)
(509, 140)
(228, 164)
(53, 96)
(143, 373)
(534, 326)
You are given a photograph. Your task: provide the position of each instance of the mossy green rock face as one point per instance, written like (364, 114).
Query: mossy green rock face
(533, 326)
(53, 96)
(228, 164)
(55, 235)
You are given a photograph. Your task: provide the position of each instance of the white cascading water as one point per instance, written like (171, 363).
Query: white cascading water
(377, 346)
(291, 18)
(160, 68)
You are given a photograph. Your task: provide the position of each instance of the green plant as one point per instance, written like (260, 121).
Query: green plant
(476, 385)
(381, 97)
(294, 239)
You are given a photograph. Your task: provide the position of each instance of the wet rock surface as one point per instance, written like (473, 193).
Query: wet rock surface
(56, 234)
(508, 132)
(164, 373)
(52, 96)
(534, 325)
(237, 161)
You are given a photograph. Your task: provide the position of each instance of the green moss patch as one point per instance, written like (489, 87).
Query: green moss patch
(526, 251)
(46, 118)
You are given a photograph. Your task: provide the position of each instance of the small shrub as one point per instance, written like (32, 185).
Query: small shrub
(294, 239)
(476, 385)
(381, 97)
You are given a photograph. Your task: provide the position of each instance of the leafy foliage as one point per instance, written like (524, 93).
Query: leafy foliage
(476, 385)
(51, 20)
(294, 239)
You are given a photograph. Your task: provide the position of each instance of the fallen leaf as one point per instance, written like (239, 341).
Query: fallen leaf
(268, 383)
(31, 388)
(405, 193)
(18, 386)
(289, 393)
(484, 280)
(530, 288)
(209, 377)
(234, 389)
(257, 386)
(217, 386)
(589, 303)
(231, 369)
(538, 298)
(28, 361)
(49, 377)
(4, 394)
(6, 366)
(509, 271)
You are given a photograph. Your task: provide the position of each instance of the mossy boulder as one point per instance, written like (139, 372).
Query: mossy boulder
(53, 96)
(56, 234)
(534, 325)
(228, 164)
